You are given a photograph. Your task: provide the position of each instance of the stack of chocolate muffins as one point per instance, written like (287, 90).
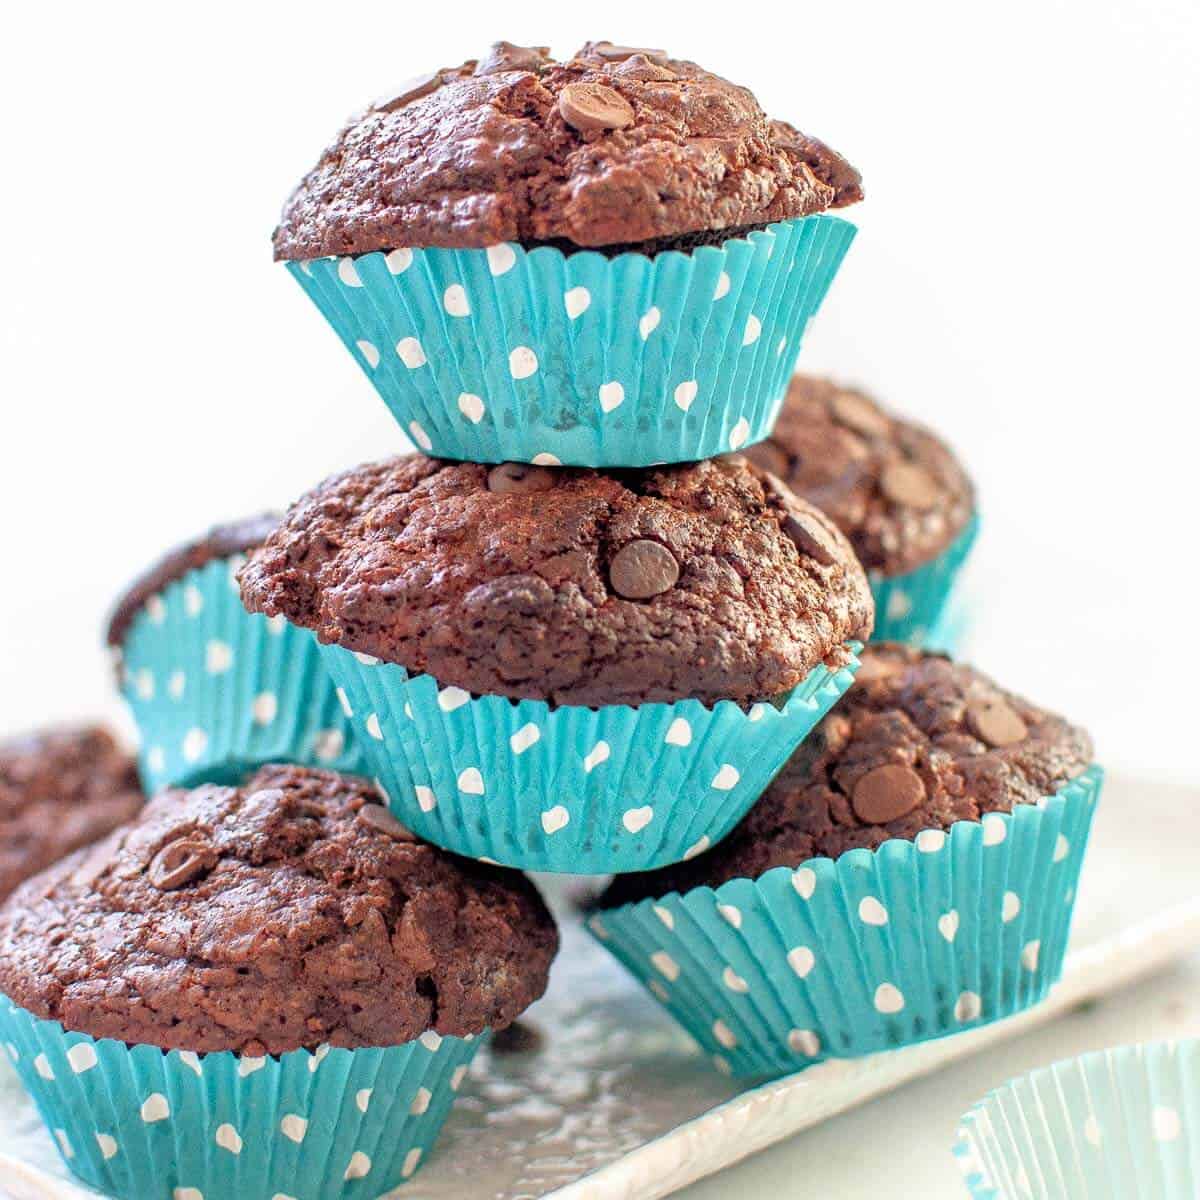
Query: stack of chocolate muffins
(597, 626)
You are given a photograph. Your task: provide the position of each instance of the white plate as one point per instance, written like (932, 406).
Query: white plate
(617, 1103)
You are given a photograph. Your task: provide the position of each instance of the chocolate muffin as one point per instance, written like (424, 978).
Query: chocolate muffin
(893, 488)
(917, 743)
(60, 789)
(617, 147)
(707, 581)
(291, 912)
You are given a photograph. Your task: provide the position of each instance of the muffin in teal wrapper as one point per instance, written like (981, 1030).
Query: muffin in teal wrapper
(216, 691)
(1116, 1123)
(922, 926)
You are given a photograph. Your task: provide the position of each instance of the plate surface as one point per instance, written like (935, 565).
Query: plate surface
(617, 1102)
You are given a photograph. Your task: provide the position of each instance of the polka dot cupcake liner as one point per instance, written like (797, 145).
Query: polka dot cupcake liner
(536, 356)
(571, 789)
(871, 951)
(217, 691)
(909, 608)
(1114, 1125)
(140, 1123)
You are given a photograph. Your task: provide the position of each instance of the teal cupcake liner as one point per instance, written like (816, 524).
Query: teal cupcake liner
(536, 356)
(570, 789)
(1120, 1124)
(216, 691)
(909, 608)
(871, 951)
(140, 1123)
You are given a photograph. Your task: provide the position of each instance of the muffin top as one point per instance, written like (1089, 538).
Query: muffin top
(895, 490)
(290, 912)
(60, 789)
(222, 541)
(918, 742)
(569, 585)
(617, 145)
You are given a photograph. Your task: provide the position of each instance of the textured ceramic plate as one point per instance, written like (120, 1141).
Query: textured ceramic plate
(617, 1102)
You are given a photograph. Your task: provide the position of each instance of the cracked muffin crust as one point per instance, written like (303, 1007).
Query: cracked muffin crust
(617, 146)
(893, 488)
(290, 912)
(707, 581)
(918, 742)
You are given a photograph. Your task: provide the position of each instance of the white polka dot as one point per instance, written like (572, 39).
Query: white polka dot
(801, 960)
(470, 781)
(546, 460)
(367, 660)
(577, 300)
(722, 1065)
(528, 735)
(82, 1057)
(359, 1166)
(804, 880)
(739, 433)
(431, 1040)
(64, 1143)
(1030, 954)
(176, 685)
(143, 683)
(193, 600)
(426, 800)
(218, 657)
(665, 965)
(344, 701)
(191, 1060)
(649, 322)
(731, 913)
(598, 754)
(679, 733)
(665, 915)
(722, 288)
(411, 1161)
(501, 258)
(156, 609)
(733, 981)
(781, 347)
(1167, 1125)
(369, 351)
(399, 260)
(724, 1034)
(726, 778)
(195, 742)
(948, 925)
(659, 989)
(636, 819)
(328, 744)
(753, 329)
(455, 302)
(930, 841)
(348, 273)
(41, 1065)
(1091, 1130)
(522, 362)
(305, 265)
(373, 728)
(1061, 848)
(420, 1102)
(995, 829)
(317, 1057)
(264, 708)
(1011, 907)
(554, 819)
(612, 394)
(804, 1041)
(418, 434)
(411, 352)
(685, 393)
(293, 1128)
(155, 1108)
(450, 698)
(276, 625)
(460, 1073)
(871, 912)
(156, 760)
(598, 928)
(471, 407)
(698, 847)
(186, 1193)
(229, 1139)
(758, 711)
(968, 1007)
(250, 1064)
(888, 999)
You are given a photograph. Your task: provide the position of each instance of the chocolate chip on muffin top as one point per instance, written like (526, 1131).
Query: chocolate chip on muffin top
(60, 789)
(569, 585)
(893, 488)
(918, 742)
(617, 146)
(290, 912)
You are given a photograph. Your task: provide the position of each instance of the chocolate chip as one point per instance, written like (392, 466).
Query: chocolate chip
(643, 569)
(504, 56)
(612, 53)
(996, 722)
(410, 90)
(640, 66)
(381, 818)
(181, 861)
(511, 478)
(591, 106)
(886, 794)
(909, 484)
(518, 1038)
(858, 413)
(834, 733)
(810, 537)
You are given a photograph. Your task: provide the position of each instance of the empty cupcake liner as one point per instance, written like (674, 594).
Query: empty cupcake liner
(217, 691)
(536, 356)
(141, 1123)
(871, 951)
(1121, 1124)
(571, 789)
(909, 607)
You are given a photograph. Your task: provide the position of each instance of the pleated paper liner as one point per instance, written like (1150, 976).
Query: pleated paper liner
(536, 356)
(909, 607)
(1121, 1124)
(139, 1123)
(871, 951)
(217, 691)
(573, 789)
